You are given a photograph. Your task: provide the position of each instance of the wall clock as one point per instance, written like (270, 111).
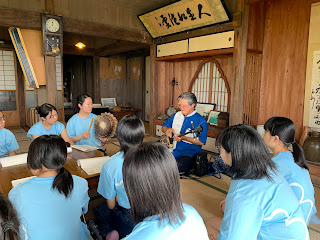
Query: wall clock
(52, 31)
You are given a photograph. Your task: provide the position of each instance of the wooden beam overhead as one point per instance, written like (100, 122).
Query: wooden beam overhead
(202, 31)
(72, 50)
(255, 1)
(119, 47)
(32, 20)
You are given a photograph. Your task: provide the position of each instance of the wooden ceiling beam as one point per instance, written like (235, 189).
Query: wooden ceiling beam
(32, 20)
(217, 28)
(119, 47)
(105, 31)
(72, 50)
(255, 1)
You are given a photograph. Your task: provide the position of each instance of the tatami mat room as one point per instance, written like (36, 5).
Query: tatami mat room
(204, 193)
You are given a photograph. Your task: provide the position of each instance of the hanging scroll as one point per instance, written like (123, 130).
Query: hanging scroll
(184, 15)
(314, 117)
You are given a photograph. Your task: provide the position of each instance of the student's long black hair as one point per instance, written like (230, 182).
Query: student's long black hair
(249, 154)
(285, 129)
(45, 109)
(152, 183)
(130, 131)
(9, 223)
(51, 152)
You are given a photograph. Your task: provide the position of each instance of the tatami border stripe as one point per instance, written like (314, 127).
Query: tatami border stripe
(315, 230)
(208, 185)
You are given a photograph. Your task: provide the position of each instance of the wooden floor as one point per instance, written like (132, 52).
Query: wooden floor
(204, 193)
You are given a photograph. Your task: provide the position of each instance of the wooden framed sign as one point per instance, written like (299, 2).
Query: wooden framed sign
(184, 15)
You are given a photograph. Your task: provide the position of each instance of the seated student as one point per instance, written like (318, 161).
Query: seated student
(290, 161)
(78, 126)
(151, 180)
(130, 132)
(8, 142)
(49, 124)
(51, 204)
(260, 204)
(9, 222)
(185, 147)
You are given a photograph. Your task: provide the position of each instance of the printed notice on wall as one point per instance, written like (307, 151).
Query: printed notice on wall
(314, 117)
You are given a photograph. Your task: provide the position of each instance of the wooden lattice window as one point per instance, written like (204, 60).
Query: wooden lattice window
(211, 86)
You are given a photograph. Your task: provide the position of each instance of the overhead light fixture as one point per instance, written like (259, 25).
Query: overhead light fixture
(80, 45)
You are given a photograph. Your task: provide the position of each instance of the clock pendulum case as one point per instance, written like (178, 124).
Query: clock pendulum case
(52, 31)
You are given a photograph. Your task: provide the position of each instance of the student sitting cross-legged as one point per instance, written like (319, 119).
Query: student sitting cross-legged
(151, 180)
(49, 124)
(115, 214)
(260, 204)
(51, 204)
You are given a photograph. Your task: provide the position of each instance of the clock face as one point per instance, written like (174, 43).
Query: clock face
(52, 25)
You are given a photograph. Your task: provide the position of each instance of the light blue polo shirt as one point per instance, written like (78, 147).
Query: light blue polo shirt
(39, 129)
(191, 228)
(77, 125)
(111, 180)
(262, 209)
(300, 182)
(8, 142)
(47, 214)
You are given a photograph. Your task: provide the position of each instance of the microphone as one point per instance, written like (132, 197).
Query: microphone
(196, 130)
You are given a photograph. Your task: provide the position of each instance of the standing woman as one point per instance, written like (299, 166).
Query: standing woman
(290, 161)
(51, 204)
(80, 126)
(8, 142)
(49, 124)
(152, 183)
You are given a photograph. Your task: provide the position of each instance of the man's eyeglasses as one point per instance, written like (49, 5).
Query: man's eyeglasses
(183, 106)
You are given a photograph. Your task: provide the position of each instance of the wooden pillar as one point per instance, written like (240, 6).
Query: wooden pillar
(143, 79)
(49, 6)
(239, 64)
(50, 67)
(48, 93)
(153, 88)
(21, 95)
(96, 80)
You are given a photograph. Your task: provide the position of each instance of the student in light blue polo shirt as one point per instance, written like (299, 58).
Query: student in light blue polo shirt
(80, 126)
(291, 162)
(8, 142)
(260, 204)
(152, 182)
(49, 124)
(51, 204)
(130, 132)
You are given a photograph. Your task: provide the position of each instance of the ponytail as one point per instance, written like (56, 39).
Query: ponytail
(298, 155)
(63, 182)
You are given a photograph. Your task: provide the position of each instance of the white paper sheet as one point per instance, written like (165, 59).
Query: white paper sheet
(92, 165)
(21, 180)
(84, 148)
(14, 160)
(69, 149)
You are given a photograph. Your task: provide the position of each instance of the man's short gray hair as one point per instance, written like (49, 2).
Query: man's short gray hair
(190, 97)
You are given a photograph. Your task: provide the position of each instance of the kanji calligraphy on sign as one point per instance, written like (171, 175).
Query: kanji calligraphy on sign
(184, 15)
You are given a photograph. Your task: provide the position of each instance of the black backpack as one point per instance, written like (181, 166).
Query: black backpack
(201, 164)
